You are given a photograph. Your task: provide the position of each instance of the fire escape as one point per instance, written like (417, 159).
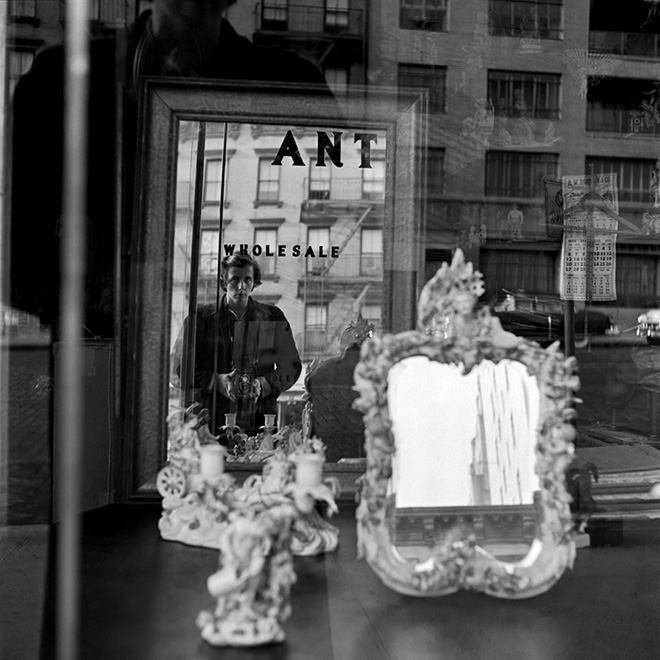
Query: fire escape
(347, 210)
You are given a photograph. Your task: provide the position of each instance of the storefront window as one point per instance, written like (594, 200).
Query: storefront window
(351, 148)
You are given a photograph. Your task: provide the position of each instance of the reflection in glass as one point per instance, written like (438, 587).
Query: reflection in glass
(465, 458)
(315, 228)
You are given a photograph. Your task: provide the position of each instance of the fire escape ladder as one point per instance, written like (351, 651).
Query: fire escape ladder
(350, 234)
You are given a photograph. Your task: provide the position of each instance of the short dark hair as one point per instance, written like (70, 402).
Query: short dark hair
(239, 260)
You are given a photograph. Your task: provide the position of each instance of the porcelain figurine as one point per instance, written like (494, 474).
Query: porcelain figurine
(297, 478)
(231, 435)
(255, 574)
(312, 534)
(195, 489)
(253, 580)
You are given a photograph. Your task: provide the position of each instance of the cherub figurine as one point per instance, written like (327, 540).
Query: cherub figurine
(253, 581)
(268, 489)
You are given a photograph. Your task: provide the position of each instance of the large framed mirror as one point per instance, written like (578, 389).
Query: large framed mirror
(324, 193)
(469, 435)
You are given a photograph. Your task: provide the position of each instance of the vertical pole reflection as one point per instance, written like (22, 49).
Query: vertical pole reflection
(69, 396)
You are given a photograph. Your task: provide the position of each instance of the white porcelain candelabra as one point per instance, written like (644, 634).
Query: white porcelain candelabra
(196, 490)
(256, 527)
(255, 572)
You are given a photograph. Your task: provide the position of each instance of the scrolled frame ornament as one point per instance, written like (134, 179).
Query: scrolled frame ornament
(463, 564)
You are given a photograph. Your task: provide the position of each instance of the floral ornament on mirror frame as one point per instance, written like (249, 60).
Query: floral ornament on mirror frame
(452, 285)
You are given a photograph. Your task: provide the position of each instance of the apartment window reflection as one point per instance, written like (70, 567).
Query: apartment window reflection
(105, 13)
(336, 15)
(337, 79)
(19, 62)
(317, 237)
(423, 15)
(633, 176)
(633, 32)
(21, 9)
(623, 105)
(268, 187)
(520, 92)
(319, 181)
(372, 314)
(518, 173)
(208, 252)
(213, 181)
(371, 252)
(373, 180)
(316, 327)
(266, 237)
(435, 171)
(426, 76)
(275, 14)
(540, 19)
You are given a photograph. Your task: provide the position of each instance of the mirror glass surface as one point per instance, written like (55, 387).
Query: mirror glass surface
(465, 455)
(313, 221)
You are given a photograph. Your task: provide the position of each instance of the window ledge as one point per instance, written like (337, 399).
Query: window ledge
(649, 59)
(31, 20)
(277, 203)
(215, 203)
(609, 135)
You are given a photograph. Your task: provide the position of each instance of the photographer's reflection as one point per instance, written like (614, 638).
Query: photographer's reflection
(188, 38)
(192, 38)
(244, 352)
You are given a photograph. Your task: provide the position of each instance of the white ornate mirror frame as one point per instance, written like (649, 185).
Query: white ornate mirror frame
(462, 564)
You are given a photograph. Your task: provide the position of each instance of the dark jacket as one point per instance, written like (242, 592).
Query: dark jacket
(263, 336)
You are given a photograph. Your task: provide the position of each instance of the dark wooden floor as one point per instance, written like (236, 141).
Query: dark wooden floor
(141, 596)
